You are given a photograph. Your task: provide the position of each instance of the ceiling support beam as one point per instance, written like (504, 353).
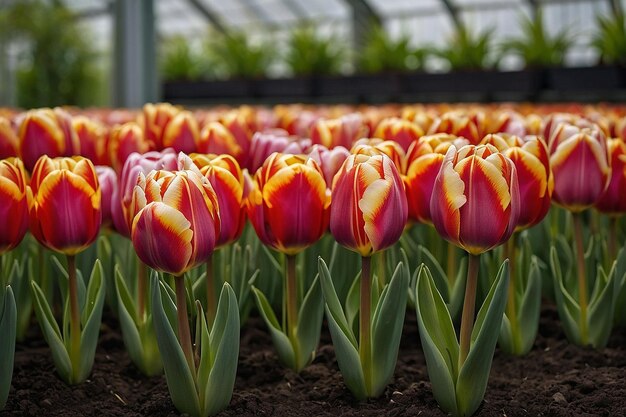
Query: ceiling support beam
(364, 16)
(210, 15)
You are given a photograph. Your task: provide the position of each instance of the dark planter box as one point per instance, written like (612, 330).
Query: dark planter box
(361, 86)
(529, 81)
(196, 90)
(283, 87)
(586, 78)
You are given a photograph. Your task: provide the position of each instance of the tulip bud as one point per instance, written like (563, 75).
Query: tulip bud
(612, 201)
(13, 203)
(369, 209)
(123, 141)
(91, 138)
(108, 183)
(153, 121)
(46, 132)
(330, 161)
(475, 201)
(423, 161)
(532, 163)
(64, 204)
(8, 139)
(274, 140)
(401, 131)
(236, 124)
(178, 220)
(375, 146)
(216, 139)
(227, 179)
(123, 194)
(460, 124)
(580, 163)
(182, 133)
(339, 132)
(506, 122)
(289, 203)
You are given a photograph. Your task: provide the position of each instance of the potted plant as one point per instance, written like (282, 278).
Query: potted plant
(181, 69)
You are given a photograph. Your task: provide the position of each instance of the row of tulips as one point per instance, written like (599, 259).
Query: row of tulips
(482, 179)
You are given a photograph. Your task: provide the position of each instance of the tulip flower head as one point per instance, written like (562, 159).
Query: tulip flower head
(153, 120)
(369, 209)
(329, 160)
(64, 204)
(13, 203)
(378, 146)
(536, 182)
(91, 137)
(274, 140)
(123, 141)
(108, 183)
(613, 201)
(401, 131)
(343, 131)
(227, 179)
(476, 201)
(182, 133)
(8, 139)
(178, 222)
(289, 203)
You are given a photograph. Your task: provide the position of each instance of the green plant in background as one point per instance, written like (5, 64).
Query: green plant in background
(179, 61)
(610, 39)
(536, 47)
(384, 54)
(8, 321)
(309, 53)
(57, 65)
(468, 51)
(235, 56)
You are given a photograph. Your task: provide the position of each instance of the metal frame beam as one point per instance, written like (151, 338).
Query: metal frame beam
(209, 14)
(363, 17)
(296, 9)
(258, 11)
(453, 12)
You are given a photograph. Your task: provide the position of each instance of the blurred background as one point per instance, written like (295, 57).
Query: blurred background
(128, 52)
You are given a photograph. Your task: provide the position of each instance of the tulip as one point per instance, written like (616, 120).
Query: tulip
(470, 126)
(401, 131)
(46, 132)
(153, 120)
(13, 203)
(274, 140)
(91, 138)
(8, 139)
(330, 161)
(108, 183)
(536, 182)
(216, 139)
(612, 201)
(175, 230)
(227, 179)
(368, 214)
(476, 205)
(236, 124)
(580, 163)
(507, 122)
(343, 131)
(182, 133)
(123, 141)
(65, 216)
(288, 208)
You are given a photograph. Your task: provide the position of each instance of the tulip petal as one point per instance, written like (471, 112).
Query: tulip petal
(447, 199)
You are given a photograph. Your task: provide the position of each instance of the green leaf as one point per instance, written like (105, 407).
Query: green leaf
(180, 381)
(224, 341)
(310, 319)
(439, 276)
(458, 291)
(51, 333)
(530, 307)
(601, 310)
(387, 324)
(474, 373)
(91, 318)
(8, 322)
(569, 311)
(280, 340)
(332, 302)
(352, 304)
(439, 342)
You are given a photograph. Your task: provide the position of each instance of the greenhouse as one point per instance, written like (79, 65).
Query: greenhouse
(312, 207)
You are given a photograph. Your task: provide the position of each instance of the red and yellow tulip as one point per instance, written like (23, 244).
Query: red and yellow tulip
(153, 120)
(536, 182)
(343, 131)
(289, 203)
(108, 184)
(369, 209)
(8, 139)
(123, 141)
(92, 139)
(376, 146)
(329, 160)
(182, 133)
(227, 179)
(13, 203)
(274, 140)
(476, 202)
(613, 200)
(64, 204)
(177, 222)
(399, 130)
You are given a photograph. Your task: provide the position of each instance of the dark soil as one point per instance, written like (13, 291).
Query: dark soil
(555, 379)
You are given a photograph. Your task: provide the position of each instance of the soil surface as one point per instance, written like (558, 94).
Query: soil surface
(555, 379)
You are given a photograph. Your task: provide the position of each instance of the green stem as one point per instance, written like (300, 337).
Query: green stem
(582, 281)
(142, 279)
(43, 273)
(74, 318)
(211, 303)
(365, 349)
(292, 297)
(184, 334)
(612, 240)
(382, 270)
(451, 265)
(467, 318)
(511, 305)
